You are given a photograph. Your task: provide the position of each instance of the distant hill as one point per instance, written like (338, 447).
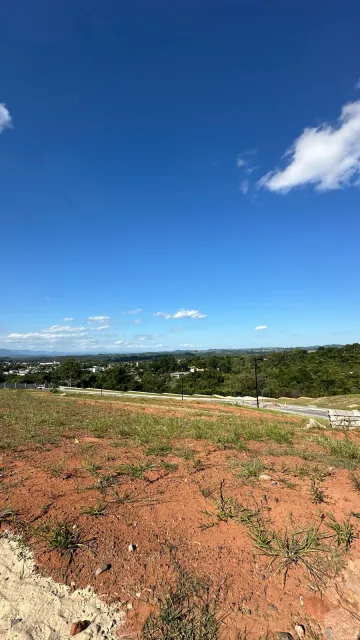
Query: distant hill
(13, 353)
(26, 353)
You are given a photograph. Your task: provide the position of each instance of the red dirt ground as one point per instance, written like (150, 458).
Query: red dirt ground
(164, 520)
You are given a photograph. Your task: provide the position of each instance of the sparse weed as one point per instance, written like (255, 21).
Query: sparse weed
(169, 466)
(355, 481)
(160, 449)
(57, 468)
(7, 515)
(60, 537)
(228, 508)
(45, 508)
(303, 547)
(317, 495)
(187, 613)
(198, 465)
(184, 452)
(105, 482)
(91, 467)
(206, 492)
(96, 510)
(344, 531)
(343, 450)
(250, 468)
(134, 470)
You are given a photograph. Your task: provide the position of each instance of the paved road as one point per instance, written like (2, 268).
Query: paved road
(293, 409)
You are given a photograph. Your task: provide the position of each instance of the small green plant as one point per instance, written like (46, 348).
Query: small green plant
(45, 508)
(97, 510)
(184, 452)
(355, 481)
(228, 508)
(344, 531)
(57, 468)
(304, 547)
(317, 495)
(91, 467)
(250, 468)
(187, 613)
(198, 465)
(160, 449)
(60, 537)
(205, 491)
(134, 470)
(105, 482)
(169, 466)
(126, 497)
(7, 514)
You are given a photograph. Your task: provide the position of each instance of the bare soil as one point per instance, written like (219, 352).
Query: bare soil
(169, 513)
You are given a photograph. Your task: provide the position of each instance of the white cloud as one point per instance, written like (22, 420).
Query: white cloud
(68, 319)
(240, 162)
(130, 345)
(5, 118)
(133, 311)
(137, 321)
(183, 313)
(102, 328)
(244, 187)
(260, 327)
(42, 336)
(327, 157)
(56, 328)
(98, 318)
(193, 346)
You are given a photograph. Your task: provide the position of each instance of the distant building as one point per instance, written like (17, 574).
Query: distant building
(178, 374)
(195, 370)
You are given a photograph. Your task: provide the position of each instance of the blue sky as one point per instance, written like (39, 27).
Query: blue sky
(143, 168)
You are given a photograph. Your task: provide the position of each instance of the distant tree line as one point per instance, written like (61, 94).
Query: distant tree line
(297, 372)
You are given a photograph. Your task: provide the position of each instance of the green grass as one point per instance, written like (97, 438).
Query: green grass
(159, 449)
(344, 531)
(170, 467)
(34, 419)
(7, 514)
(288, 549)
(343, 451)
(355, 481)
(186, 613)
(317, 494)
(105, 482)
(134, 470)
(249, 468)
(91, 467)
(61, 537)
(96, 510)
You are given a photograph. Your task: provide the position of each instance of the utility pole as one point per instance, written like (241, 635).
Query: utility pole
(256, 382)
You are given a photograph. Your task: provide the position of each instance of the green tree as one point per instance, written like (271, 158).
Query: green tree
(69, 371)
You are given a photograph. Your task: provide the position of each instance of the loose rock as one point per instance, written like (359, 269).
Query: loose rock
(300, 630)
(104, 567)
(328, 633)
(263, 476)
(285, 635)
(78, 627)
(132, 547)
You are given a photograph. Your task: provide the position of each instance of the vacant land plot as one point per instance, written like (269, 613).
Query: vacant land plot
(211, 521)
(349, 401)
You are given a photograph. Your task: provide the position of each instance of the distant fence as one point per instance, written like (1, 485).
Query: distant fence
(22, 385)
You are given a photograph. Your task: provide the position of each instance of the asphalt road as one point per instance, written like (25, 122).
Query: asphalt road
(292, 409)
